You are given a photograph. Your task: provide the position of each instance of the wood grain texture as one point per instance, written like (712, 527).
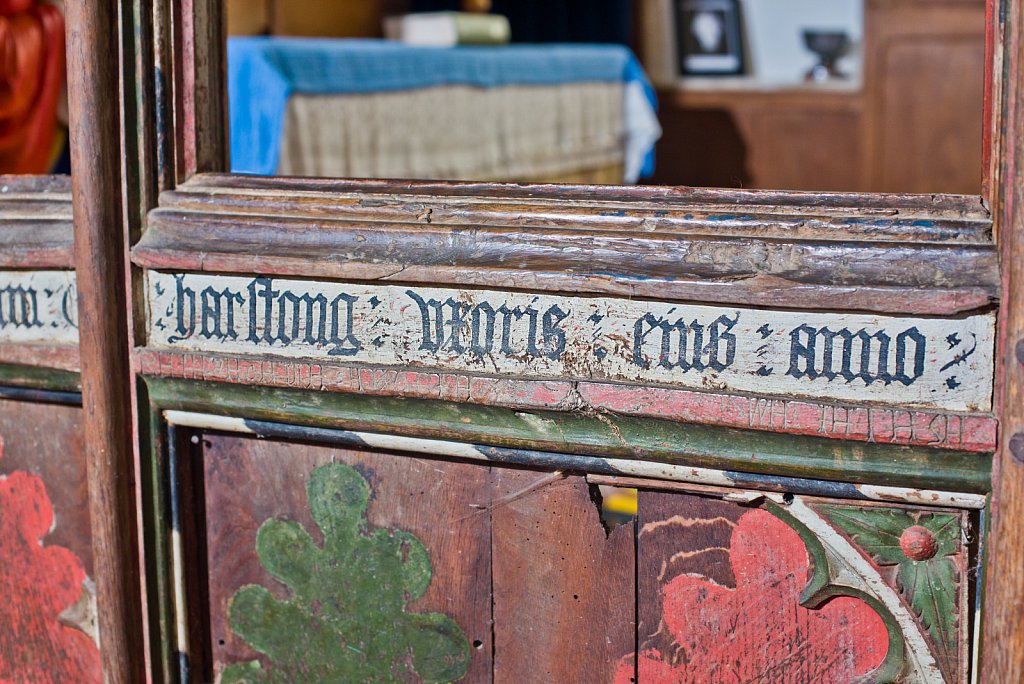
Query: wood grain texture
(250, 481)
(564, 591)
(720, 587)
(36, 215)
(799, 138)
(100, 250)
(924, 62)
(923, 255)
(1003, 603)
(199, 49)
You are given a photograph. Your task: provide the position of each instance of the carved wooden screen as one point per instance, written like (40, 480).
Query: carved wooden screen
(46, 551)
(378, 413)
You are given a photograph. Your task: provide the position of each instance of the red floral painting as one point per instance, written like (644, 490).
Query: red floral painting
(757, 631)
(38, 583)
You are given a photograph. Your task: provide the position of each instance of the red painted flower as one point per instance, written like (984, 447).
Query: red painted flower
(758, 632)
(37, 583)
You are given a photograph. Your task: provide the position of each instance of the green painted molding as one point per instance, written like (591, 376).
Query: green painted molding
(36, 377)
(589, 433)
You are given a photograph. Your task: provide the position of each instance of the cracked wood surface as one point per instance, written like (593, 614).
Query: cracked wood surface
(975, 432)
(916, 254)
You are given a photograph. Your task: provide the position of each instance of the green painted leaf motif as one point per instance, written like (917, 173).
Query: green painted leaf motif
(876, 531)
(346, 619)
(930, 587)
(946, 529)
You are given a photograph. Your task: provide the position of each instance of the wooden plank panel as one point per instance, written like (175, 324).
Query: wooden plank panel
(442, 503)
(563, 590)
(46, 440)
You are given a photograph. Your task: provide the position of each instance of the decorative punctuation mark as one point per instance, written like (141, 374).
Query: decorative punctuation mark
(962, 356)
(600, 353)
(595, 318)
(374, 301)
(159, 290)
(952, 383)
(953, 340)
(765, 371)
(765, 331)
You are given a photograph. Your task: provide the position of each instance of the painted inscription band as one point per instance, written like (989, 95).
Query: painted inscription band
(945, 363)
(38, 307)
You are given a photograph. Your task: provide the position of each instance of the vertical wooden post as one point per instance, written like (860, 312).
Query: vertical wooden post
(93, 85)
(1003, 636)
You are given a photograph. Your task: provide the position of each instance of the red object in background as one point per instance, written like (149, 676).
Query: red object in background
(37, 583)
(31, 81)
(758, 631)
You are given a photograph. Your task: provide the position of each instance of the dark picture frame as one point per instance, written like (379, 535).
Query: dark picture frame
(709, 37)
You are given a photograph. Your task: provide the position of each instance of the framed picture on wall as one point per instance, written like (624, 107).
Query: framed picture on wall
(709, 37)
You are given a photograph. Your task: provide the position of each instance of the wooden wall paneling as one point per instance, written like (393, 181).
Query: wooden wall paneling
(883, 425)
(925, 61)
(100, 252)
(793, 139)
(564, 588)
(1003, 604)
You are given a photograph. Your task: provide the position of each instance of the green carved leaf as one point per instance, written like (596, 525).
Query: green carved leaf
(876, 531)
(946, 528)
(346, 618)
(930, 587)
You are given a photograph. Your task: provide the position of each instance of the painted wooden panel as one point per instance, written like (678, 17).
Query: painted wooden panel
(472, 521)
(511, 576)
(49, 611)
(559, 578)
(38, 307)
(945, 363)
(794, 589)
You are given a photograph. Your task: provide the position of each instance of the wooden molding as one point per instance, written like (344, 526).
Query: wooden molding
(884, 253)
(35, 212)
(94, 74)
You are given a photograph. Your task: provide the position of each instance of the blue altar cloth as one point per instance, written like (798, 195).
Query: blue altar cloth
(264, 71)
